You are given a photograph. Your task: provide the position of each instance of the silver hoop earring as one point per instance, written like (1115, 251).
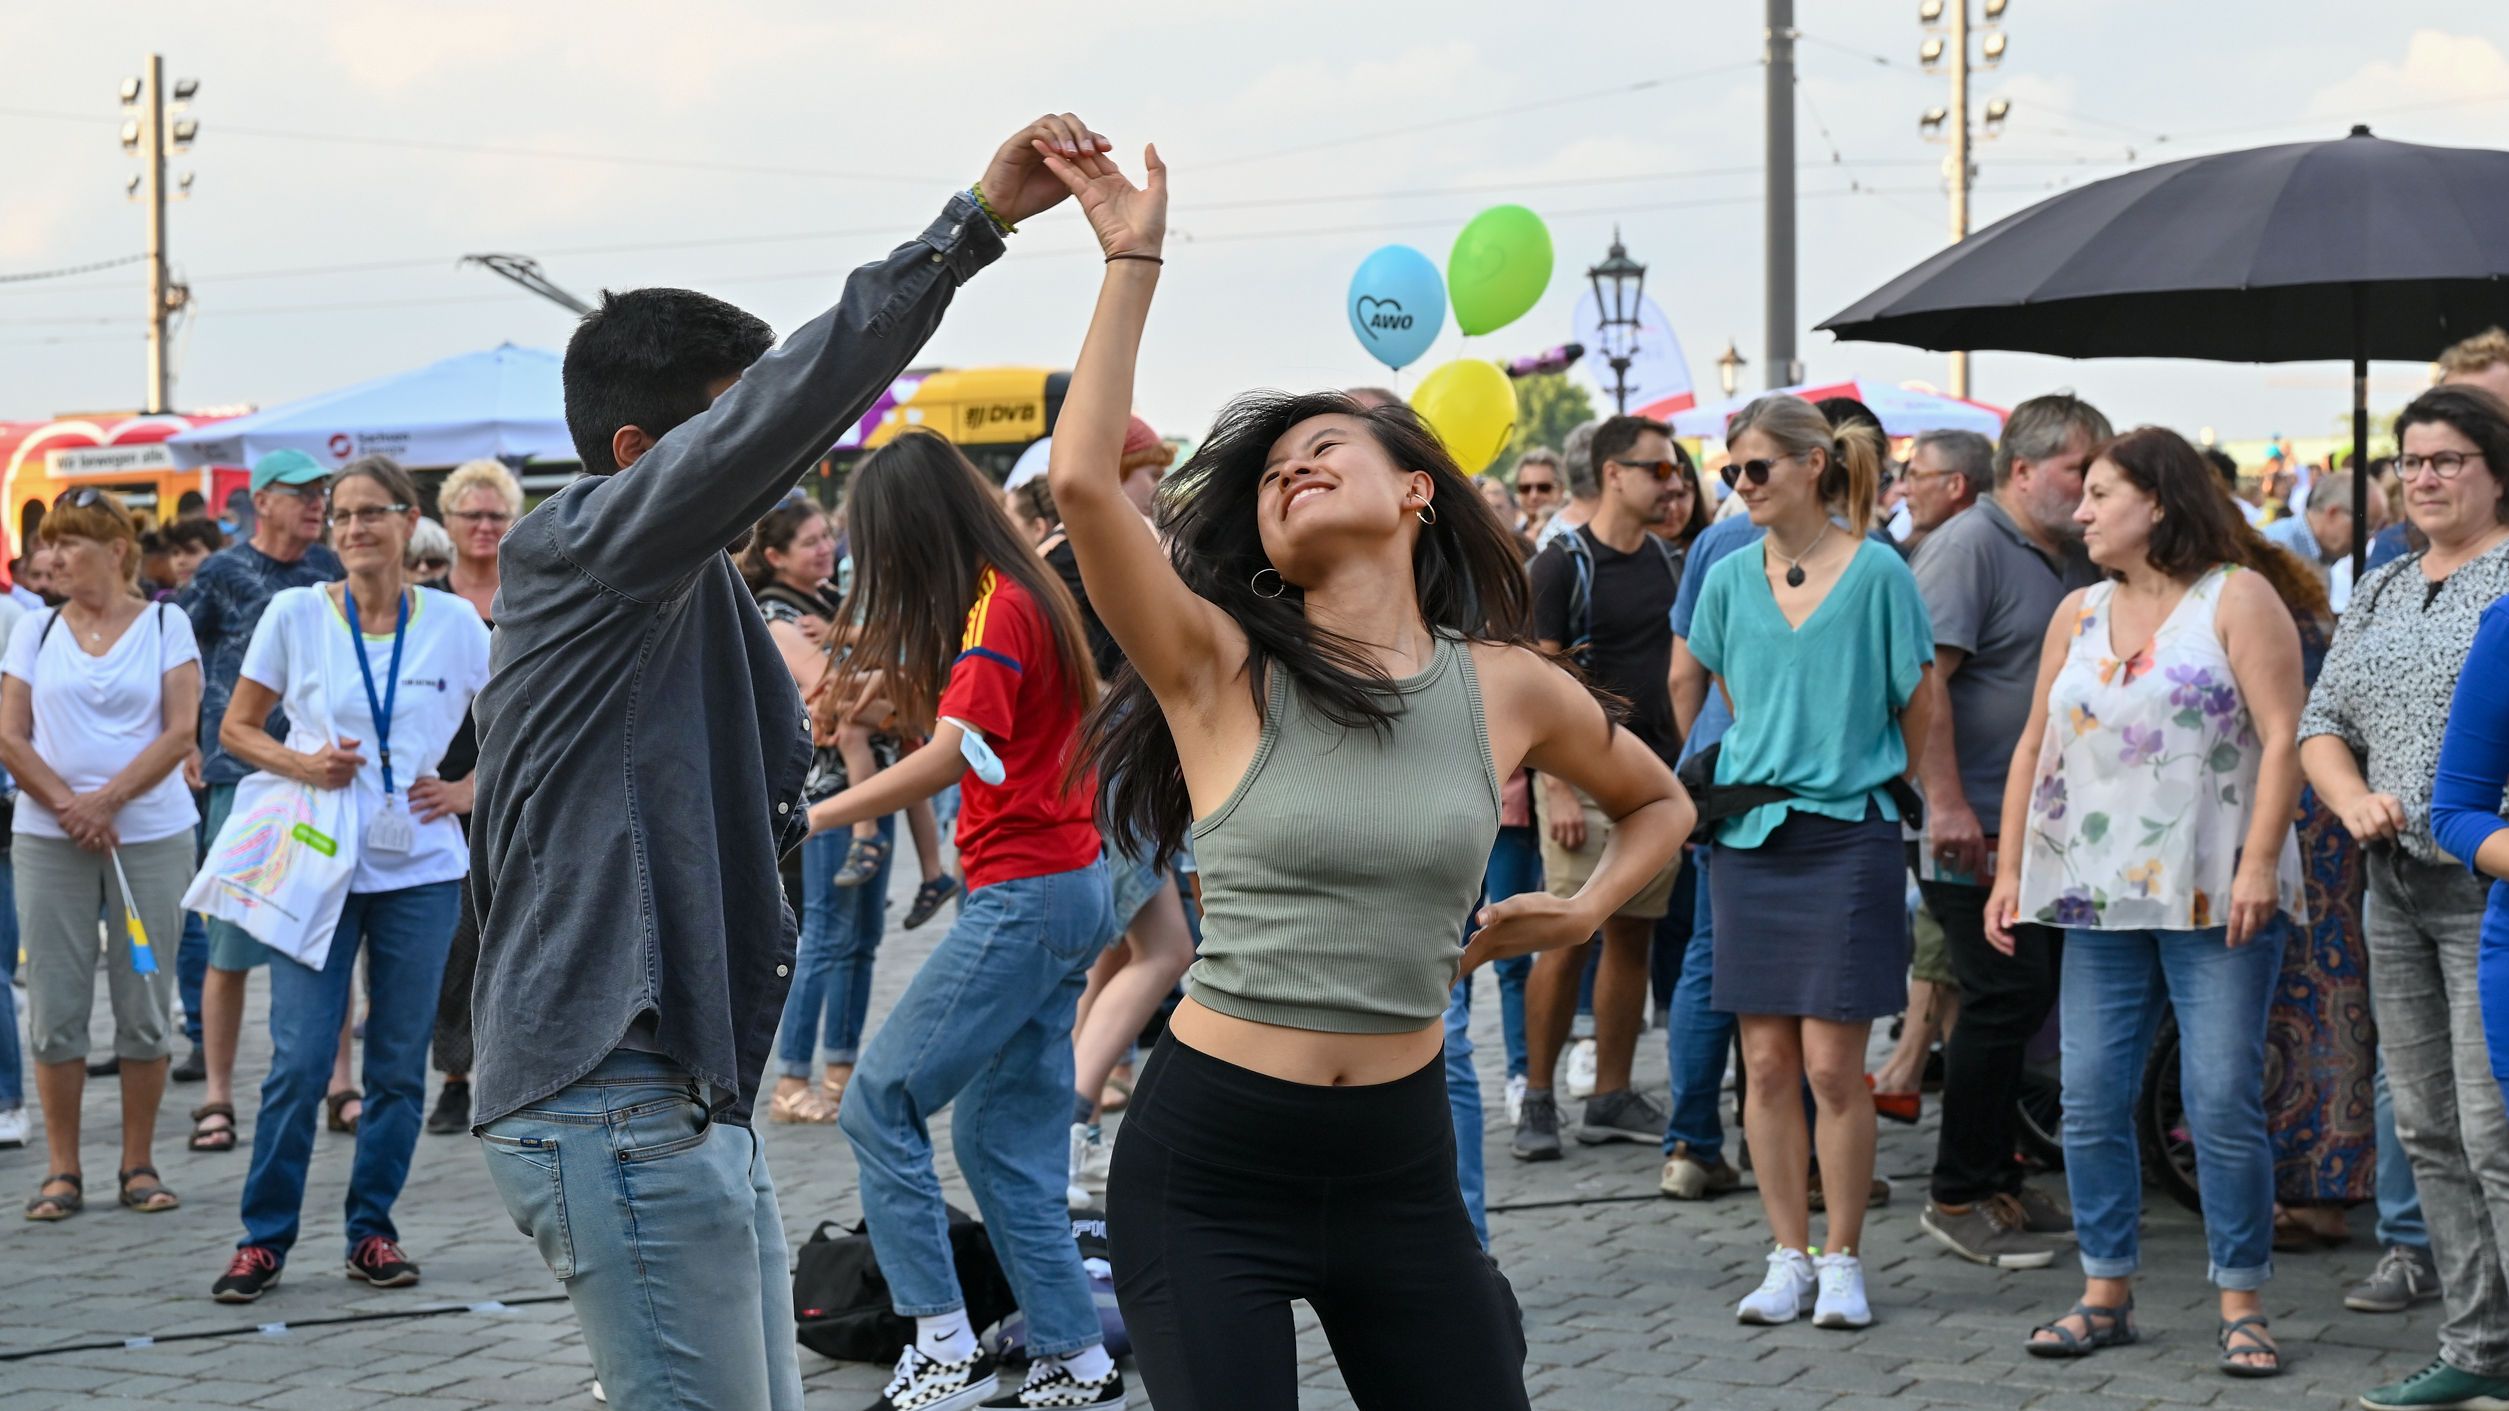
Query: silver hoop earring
(1280, 585)
(1426, 514)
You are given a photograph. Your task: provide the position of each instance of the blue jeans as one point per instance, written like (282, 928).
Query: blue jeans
(663, 1226)
(840, 937)
(1515, 868)
(2111, 993)
(12, 1059)
(1463, 1103)
(987, 1024)
(2399, 1200)
(406, 934)
(1697, 1037)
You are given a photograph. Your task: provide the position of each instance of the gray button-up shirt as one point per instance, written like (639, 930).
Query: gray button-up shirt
(642, 745)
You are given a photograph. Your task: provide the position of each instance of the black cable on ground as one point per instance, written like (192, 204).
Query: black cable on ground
(493, 1305)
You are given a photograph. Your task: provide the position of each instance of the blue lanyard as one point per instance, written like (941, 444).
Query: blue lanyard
(382, 709)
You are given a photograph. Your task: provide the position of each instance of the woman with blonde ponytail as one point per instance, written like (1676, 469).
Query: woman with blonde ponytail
(1821, 641)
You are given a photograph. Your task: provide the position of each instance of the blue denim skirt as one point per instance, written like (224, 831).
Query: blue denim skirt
(1814, 921)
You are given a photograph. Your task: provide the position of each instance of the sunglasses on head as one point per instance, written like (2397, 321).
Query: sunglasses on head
(83, 497)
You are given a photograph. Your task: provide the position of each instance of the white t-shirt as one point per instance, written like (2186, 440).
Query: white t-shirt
(94, 714)
(302, 650)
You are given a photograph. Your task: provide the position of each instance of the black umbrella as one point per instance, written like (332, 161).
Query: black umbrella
(2354, 249)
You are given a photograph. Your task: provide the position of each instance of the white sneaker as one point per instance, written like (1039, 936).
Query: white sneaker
(1052, 1384)
(924, 1383)
(1515, 1099)
(1075, 1191)
(1841, 1303)
(13, 1127)
(1099, 1163)
(1581, 1069)
(1786, 1294)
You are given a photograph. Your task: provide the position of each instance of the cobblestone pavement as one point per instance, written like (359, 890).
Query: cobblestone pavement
(1627, 1297)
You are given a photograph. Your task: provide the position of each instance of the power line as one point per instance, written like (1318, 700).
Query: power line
(114, 263)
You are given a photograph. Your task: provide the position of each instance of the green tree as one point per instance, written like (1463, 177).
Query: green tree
(1548, 407)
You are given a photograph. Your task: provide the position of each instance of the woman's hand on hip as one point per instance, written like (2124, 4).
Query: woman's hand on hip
(432, 799)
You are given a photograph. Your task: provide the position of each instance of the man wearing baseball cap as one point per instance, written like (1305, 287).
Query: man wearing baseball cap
(291, 497)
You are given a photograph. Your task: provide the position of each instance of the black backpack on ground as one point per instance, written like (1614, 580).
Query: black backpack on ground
(841, 1299)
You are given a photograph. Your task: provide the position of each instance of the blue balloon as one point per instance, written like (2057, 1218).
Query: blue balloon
(1397, 304)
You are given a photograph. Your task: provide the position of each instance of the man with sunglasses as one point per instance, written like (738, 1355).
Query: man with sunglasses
(291, 495)
(1539, 485)
(1602, 593)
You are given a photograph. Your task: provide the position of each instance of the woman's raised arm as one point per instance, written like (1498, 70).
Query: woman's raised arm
(1178, 641)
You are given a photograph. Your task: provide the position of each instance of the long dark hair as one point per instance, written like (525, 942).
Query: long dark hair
(776, 530)
(925, 525)
(1465, 569)
(2197, 529)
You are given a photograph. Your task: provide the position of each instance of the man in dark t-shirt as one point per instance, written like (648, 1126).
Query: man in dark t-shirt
(1603, 594)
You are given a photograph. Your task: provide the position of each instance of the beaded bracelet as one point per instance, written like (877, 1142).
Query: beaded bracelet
(1000, 226)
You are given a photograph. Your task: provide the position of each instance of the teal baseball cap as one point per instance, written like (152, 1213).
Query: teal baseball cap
(287, 468)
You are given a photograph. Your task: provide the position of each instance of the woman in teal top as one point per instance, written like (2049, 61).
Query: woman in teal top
(1822, 644)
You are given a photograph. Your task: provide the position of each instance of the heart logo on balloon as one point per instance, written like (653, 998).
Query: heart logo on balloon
(1380, 316)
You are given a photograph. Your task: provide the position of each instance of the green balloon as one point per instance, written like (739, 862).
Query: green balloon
(1499, 267)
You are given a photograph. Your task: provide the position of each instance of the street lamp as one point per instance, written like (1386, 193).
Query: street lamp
(1729, 366)
(1619, 283)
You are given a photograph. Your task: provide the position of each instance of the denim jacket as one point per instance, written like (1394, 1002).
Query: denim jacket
(642, 745)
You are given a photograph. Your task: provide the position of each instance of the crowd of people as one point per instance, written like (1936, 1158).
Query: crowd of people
(2022, 743)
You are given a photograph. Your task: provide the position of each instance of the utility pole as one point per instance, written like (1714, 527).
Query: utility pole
(1960, 169)
(148, 135)
(1779, 313)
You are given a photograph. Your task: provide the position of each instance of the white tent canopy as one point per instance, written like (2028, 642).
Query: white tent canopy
(505, 402)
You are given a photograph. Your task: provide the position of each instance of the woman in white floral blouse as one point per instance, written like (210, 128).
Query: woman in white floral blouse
(2155, 787)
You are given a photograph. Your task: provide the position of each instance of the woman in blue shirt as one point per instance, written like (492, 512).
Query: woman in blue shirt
(2466, 812)
(1820, 640)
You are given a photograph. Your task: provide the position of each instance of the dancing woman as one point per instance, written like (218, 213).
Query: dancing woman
(989, 648)
(1328, 686)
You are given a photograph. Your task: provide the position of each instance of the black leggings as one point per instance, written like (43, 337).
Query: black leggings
(1233, 1193)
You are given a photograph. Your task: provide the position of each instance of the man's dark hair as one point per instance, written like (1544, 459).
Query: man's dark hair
(2222, 465)
(1616, 435)
(1849, 411)
(645, 358)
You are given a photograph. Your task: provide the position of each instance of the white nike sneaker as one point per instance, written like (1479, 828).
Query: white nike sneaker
(1841, 1303)
(1786, 1294)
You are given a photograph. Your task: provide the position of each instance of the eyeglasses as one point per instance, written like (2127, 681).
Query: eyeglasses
(2447, 465)
(1757, 472)
(368, 516)
(496, 517)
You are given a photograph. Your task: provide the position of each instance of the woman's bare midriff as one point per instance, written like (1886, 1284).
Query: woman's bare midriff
(1308, 1056)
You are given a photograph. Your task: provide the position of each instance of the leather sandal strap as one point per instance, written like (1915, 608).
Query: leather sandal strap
(208, 1110)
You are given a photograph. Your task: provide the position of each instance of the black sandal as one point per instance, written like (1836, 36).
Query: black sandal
(2243, 1331)
(208, 1138)
(59, 1207)
(930, 898)
(2118, 1333)
(144, 1199)
(863, 857)
(341, 1099)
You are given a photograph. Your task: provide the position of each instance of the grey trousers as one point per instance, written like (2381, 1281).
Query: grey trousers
(2423, 923)
(61, 890)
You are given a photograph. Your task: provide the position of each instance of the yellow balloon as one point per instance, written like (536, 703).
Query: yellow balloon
(1471, 406)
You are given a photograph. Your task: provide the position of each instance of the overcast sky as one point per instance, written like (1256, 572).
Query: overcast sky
(770, 146)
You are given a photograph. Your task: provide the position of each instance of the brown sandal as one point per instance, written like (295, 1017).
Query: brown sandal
(208, 1138)
(339, 1100)
(802, 1107)
(150, 1199)
(46, 1206)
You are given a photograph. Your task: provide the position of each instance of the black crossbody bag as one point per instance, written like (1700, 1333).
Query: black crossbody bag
(1718, 802)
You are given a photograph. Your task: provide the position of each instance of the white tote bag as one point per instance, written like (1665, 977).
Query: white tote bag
(281, 864)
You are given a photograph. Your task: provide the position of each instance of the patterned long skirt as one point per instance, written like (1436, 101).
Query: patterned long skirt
(2321, 1044)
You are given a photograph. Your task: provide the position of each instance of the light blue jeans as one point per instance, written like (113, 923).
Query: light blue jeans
(985, 1024)
(1698, 1037)
(406, 934)
(2399, 1200)
(1463, 1103)
(662, 1224)
(2113, 986)
(841, 929)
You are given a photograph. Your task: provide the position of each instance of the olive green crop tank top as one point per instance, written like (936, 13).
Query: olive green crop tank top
(1339, 879)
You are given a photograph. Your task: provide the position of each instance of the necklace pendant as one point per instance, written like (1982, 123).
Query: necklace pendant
(1794, 575)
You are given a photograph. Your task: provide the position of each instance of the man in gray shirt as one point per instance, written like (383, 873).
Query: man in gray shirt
(642, 749)
(1992, 577)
